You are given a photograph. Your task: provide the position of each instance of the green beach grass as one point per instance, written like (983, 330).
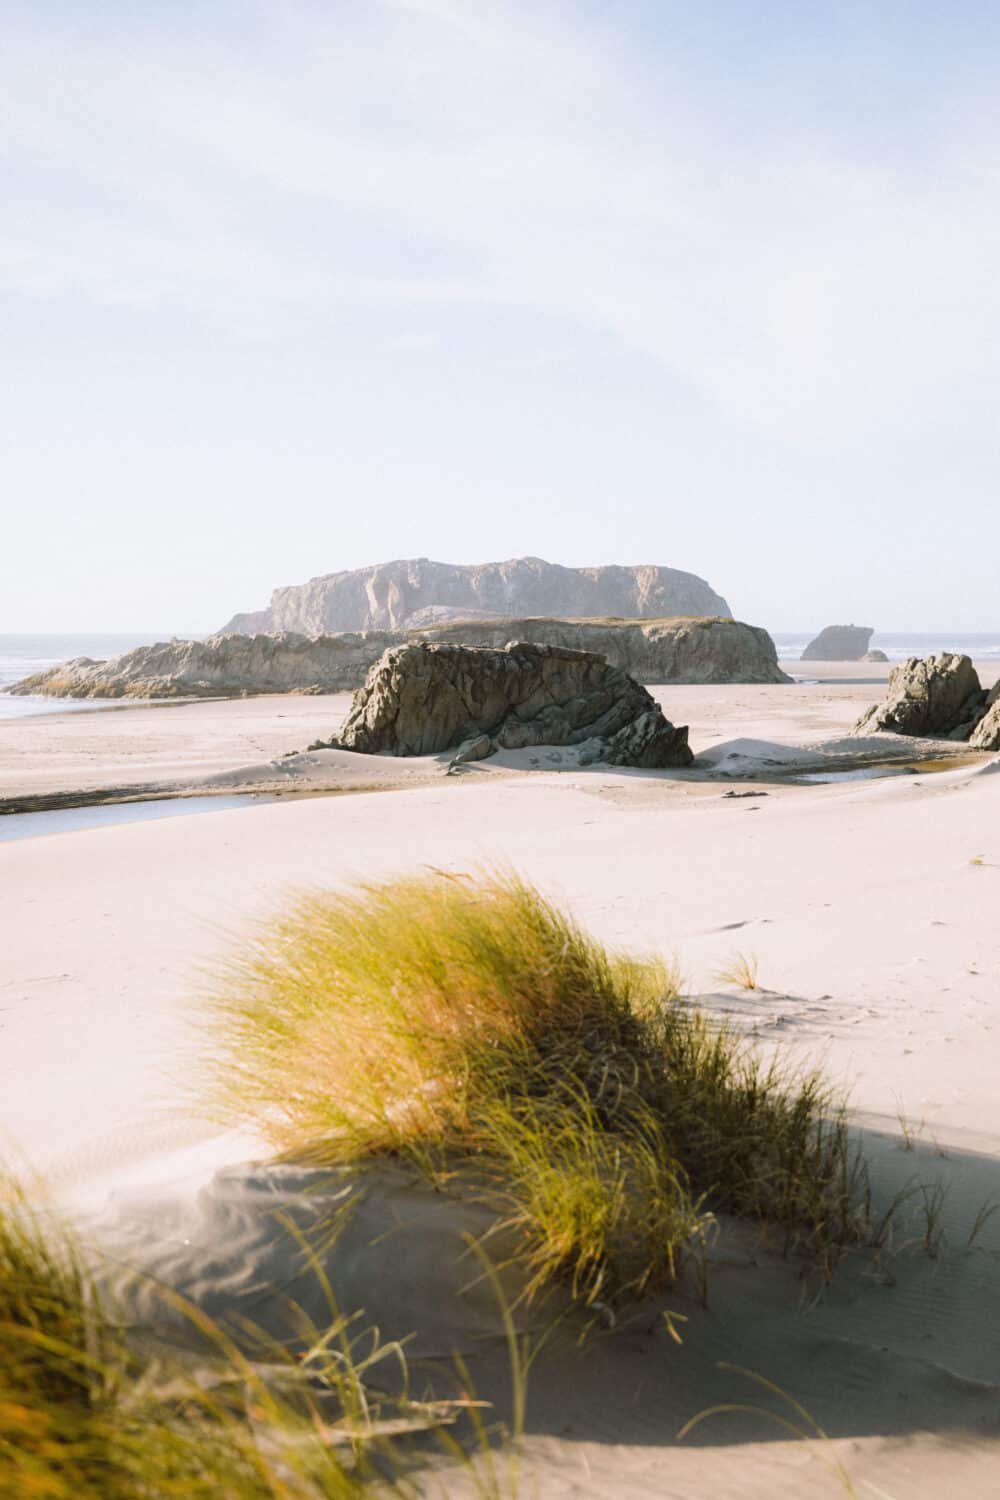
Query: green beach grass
(468, 1025)
(469, 1028)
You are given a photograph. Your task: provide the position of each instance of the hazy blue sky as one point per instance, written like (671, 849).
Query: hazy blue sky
(292, 287)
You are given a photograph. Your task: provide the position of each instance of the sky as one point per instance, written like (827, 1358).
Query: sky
(293, 286)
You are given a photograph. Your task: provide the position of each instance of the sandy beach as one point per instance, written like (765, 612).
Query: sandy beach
(869, 906)
(500, 753)
(256, 744)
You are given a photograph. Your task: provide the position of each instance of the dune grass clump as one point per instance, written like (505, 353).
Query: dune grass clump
(471, 1026)
(386, 1019)
(90, 1412)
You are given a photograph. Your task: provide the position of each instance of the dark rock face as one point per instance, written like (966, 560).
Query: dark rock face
(839, 643)
(398, 595)
(423, 698)
(940, 696)
(986, 735)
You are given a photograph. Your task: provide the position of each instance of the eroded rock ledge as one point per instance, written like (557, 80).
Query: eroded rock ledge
(427, 697)
(675, 650)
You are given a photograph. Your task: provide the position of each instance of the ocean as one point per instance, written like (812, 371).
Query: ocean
(22, 655)
(898, 646)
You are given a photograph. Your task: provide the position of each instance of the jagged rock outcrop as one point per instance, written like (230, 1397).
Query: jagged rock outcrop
(937, 697)
(986, 735)
(389, 595)
(427, 697)
(235, 665)
(839, 643)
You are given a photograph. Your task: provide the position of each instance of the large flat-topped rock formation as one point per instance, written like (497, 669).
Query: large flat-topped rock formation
(839, 643)
(427, 697)
(235, 665)
(396, 595)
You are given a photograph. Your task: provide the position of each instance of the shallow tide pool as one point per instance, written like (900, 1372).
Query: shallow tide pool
(910, 768)
(76, 819)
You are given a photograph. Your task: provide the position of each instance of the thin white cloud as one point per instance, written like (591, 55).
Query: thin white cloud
(503, 154)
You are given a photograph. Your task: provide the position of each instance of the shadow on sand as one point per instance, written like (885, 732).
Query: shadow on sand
(903, 1340)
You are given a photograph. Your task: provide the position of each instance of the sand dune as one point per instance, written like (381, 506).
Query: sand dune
(870, 908)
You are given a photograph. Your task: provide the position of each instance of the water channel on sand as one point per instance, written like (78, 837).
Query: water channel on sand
(74, 819)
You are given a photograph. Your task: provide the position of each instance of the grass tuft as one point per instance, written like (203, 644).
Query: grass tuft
(741, 970)
(469, 1025)
(89, 1413)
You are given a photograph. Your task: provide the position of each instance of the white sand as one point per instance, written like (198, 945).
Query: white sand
(879, 955)
(250, 743)
(125, 745)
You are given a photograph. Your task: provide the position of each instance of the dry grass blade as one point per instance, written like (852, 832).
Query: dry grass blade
(983, 1217)
(801, 1424)
(741, 970)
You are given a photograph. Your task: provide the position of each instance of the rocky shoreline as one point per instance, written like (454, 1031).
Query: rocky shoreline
(686, 650)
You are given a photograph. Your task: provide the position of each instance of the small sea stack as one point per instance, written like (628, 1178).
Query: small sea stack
(840, 643)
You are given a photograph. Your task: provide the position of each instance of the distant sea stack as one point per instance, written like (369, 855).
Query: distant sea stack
(840, 643)
(407, 594)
